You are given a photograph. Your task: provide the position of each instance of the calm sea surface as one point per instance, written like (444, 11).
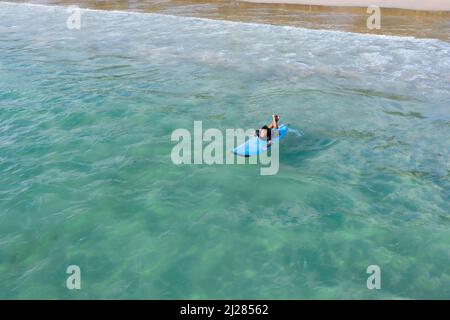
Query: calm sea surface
(86, 176)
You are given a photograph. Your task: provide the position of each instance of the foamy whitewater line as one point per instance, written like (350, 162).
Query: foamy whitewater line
(228, 22)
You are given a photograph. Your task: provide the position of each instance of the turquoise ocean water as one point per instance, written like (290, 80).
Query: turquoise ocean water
(86, 176)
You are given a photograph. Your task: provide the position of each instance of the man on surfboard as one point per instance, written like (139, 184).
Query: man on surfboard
(266, 131)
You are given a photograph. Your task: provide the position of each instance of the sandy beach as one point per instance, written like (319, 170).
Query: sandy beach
(430, 5)
(401, 22)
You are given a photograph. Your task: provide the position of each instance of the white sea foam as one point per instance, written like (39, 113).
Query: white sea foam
(399, 65)
(223, 22)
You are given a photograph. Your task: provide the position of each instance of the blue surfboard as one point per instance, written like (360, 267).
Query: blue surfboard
(255, 146)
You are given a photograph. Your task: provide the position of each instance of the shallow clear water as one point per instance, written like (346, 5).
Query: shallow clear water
(86, 177)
